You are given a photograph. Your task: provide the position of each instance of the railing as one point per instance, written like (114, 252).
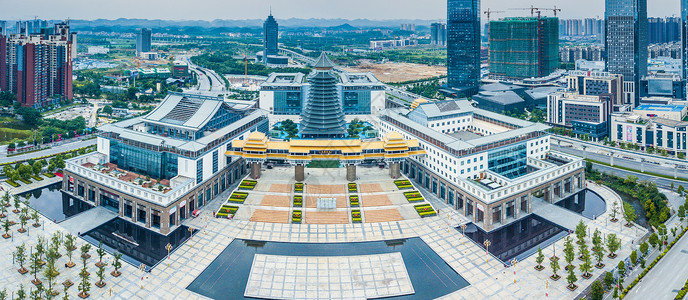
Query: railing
(159, 198)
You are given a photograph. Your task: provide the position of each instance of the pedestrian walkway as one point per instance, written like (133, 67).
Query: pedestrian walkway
(88, 220)
(35, 184)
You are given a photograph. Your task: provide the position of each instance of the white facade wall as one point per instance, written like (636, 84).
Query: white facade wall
(103, 146)
(377, 102)
(451, 125)
(267, 101)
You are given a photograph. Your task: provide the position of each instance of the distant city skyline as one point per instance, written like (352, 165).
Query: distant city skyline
(258, 9)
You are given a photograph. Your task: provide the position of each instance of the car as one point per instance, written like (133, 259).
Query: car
(196, 213)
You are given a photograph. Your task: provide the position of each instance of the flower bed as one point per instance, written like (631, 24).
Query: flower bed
(413, 196)
(39, 178)
(356, 216)
(296, 216)
(226, 210)
(49, 175)
(248, 184)
(298, 200)
(298, 187)
(12, 183)
(425, 210)
(353, 201)
(352, 187)
(403, 184)
(238, 197)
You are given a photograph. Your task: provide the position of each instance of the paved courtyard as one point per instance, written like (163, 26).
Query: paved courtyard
(488, 277)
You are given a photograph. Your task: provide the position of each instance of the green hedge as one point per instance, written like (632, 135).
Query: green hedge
(49, 175)
(24, 180)
(652, 265)
(12, 183)
(37, 177)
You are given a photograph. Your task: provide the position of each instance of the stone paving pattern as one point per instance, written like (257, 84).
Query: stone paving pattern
(488, 277)
(328, 277)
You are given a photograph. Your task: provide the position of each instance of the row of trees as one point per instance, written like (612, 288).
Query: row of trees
(654, 202)
(585, 254)
(35, 167)
(41, 259)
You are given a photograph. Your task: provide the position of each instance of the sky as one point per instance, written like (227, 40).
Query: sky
(284, 9)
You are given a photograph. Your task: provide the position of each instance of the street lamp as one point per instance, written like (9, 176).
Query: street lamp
(487, 244)
(513, 264)
(463, 234)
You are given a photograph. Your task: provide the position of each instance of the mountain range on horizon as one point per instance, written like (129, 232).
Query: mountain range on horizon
(286, 23)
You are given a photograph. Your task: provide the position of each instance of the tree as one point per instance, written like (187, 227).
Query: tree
(581, 230)
(51, 272)
(586, 266)
(108, 110)
(31, 116)
(569, 254)
(681, 213)
(117, 264)
(613, 244)
(84, 285)
(643, 248)
(616, 293)
(3, 294)
(56, 242)
(36, 218)
(84, 252)
(69, 246)
(608, 279)
(36, 267)
(23, 219)
(571, 279)
(621, 267)
(634, 257)
(101, 253)
(101, 275)
(20, 257)
(596, 291)
(539, 259)
(6, 227)
(629, 214)
(615, 210)
(40, 247)
(654, 240)
(21, 294)
(554, 264)
(37, 167)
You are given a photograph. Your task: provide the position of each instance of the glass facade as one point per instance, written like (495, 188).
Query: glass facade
(199, 171)
(356, 102)
(626, 40)
(215, 157)
(142, 161)
(463, 46)
(510, 162)
(287, 101)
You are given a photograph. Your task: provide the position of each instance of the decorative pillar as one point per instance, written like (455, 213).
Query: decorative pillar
(517, 207)
(351, 172)
(121, 207)
(165, 221)
(255, 170)
(149, 217)
(394, 170)
(299, 173)
(134, 212)
(530, 203)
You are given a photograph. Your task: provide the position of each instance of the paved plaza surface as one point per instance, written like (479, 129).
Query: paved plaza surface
(487, 276)
(326, 277)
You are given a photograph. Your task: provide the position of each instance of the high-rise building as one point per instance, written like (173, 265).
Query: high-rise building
(30, 27)
(323, 116)
(3, 27)
(626, 43)
(684, 39)
(143, 40)
(38, 67)
(270, 37)
(408, 27)
(524, 47)
(663, 30)
(463, 46)
(438, 34)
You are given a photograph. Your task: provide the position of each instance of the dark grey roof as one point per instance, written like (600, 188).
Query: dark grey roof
(324, 62)
(442, 108)
(185, 110)
(498, 86)
(542, 92)
(504, 97)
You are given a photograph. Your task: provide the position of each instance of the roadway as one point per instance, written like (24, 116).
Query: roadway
(667, 277)
(626, 161)
(54, 149)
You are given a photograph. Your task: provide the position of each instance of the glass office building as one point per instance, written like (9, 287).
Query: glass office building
(463, 46)
(510, 162)
(626, 43)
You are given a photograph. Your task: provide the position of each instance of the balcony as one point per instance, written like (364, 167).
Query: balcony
(94, 167)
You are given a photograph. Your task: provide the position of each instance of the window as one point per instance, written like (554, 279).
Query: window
(215, 155)
(199, 171)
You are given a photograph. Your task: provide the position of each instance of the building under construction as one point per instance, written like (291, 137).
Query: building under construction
(524, 47)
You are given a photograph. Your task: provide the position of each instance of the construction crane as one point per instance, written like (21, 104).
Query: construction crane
(488, 12)
(555, 10)
(532, 10)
